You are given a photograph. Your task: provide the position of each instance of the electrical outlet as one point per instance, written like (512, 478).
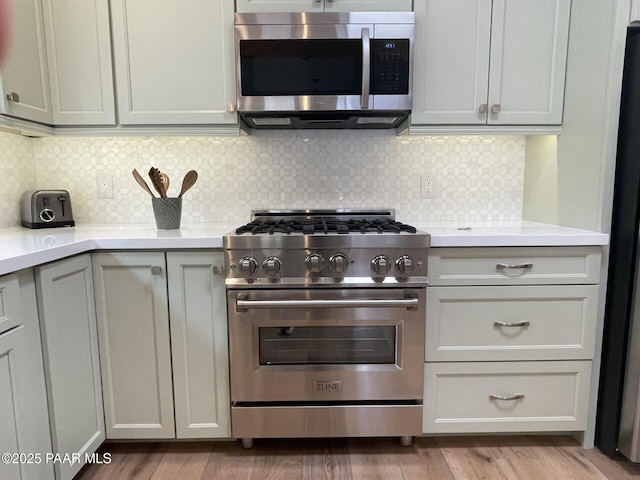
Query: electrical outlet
(426, 186)
(105, 186)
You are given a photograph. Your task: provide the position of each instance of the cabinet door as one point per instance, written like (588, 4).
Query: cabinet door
(200, 355)
(451, 61)
(635, 11)
(174, 72)
(368, 5)
(323, 5)
(24, 72)
(482, 397)
(24, 418)
(12, 413)
(528, 61)
(79, 59)
(255, 6)
(72, 367)
(9, 302)
(133, 325)
(534, 322)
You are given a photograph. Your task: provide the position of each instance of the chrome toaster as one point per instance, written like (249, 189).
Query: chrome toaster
(46, 208)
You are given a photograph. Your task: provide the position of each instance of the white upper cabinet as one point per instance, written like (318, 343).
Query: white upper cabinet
(24, 72)
(59, 66)
(323, 5)
(635, 11)
(499, 62)
(174, 61)
(79, 58)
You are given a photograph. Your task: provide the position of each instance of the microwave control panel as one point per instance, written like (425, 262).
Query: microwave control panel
(389, 66)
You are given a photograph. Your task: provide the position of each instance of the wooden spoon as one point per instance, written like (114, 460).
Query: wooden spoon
(189, 180)
(165, 181)
(154, 175)
(141, 182)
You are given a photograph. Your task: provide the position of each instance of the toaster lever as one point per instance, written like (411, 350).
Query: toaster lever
(62, 199)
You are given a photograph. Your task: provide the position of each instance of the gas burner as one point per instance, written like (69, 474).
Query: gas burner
(324, 225)
(310, 222)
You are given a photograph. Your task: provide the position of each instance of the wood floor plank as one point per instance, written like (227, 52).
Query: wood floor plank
(228, 461)
(326, 459)
(535, 458)
(373, 459)
(184, 461)
(276, 459)
(469, 459)
(612, 469)
(129, 461)
(430, 458)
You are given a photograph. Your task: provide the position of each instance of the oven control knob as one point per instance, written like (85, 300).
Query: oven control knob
(339, 262)
(380, 265)
(247, 266)
(314, 263)
(405, 265)
(272, 265)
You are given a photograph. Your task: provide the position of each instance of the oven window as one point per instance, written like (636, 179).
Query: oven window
(301, 67)
(327, 345)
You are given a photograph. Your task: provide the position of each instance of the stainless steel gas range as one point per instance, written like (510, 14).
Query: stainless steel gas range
(326, 317)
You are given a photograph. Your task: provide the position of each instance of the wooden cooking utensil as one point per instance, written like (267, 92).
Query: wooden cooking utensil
(165, 181)
(141, 182)
(156, 181)
(188, 181)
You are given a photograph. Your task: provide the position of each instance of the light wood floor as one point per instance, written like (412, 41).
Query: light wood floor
(444, 458)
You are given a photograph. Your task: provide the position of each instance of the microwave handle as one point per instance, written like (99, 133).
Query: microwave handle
(366, 69)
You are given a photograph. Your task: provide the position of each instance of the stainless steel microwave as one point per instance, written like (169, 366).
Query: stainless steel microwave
(324, 70)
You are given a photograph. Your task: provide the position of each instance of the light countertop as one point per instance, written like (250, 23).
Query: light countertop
(23, 248)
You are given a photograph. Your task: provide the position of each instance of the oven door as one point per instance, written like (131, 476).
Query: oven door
(326, 345)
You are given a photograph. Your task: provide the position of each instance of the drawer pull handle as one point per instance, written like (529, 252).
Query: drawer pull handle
(507, 324)
(522, 266)
(515, 396)
(156, 270)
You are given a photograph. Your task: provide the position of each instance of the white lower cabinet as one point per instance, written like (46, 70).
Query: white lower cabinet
(24, 419)
(199, 347)
(146, 397)
(72, 368)
(510, 339)
(506, 396)
(133, 325)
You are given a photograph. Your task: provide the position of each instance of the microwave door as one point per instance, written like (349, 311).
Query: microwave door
(318, 67)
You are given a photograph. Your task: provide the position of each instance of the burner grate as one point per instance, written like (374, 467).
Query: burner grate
(323, 225)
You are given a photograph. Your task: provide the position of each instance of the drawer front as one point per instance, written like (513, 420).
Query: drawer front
(538, 396)
(9, 302)
(514, 266)
(511, 323)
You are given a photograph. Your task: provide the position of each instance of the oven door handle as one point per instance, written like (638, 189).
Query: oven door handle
(243, 305)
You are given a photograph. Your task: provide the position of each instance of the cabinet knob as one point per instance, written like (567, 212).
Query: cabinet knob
(484, 108)
(218, 270)
(13, 97)
(231, 107)
(156, 270)
(495, 108)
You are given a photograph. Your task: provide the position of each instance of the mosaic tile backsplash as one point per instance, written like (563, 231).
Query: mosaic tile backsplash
(17, 174)
(474, 177)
